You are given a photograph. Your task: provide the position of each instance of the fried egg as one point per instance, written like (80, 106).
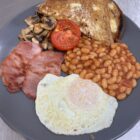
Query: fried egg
(72, 106)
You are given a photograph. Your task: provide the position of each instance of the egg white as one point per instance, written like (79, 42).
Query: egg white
(60, 115)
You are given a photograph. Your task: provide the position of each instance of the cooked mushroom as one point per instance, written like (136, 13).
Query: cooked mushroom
(37, 28)
(45, 45)
(32, 20)
(34, 40)
(25, 31)
(50, 47)
(44, 33)
(48, 22)
(39, 38)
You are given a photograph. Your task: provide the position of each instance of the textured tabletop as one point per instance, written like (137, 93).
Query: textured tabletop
(10, 8)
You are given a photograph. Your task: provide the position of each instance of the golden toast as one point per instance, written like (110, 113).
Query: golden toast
(98, 19)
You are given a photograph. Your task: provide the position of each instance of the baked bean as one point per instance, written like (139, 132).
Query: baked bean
(137, 66)
(124, 46)
(74, 61)
(118, 49)
(123, 52)
(69, 52)
(100, 71)
(64, 68)
(107, 63)
(76, 50)
(88, 63)
(87, 42)
(85, 57)
(109, 69)
(104, 83)
(116, 61)
(122, 89)
(78, 53)
(112, 80)
(113, 46)
(96, 63)
(133, 59)
(133, 68)
(128, 91)
(81, 45)
(113, 87)
(121, 96)
(93, 54)
(122, 59)
(129, 65)
(100, 50)
(118, 67)
(77, 71)
(113, 52)
(115, 72)
(129, 75)
(112, 93)
(83, 73)
(119, 78)
(89, 76)
(125, 69)
(85, 50)
(72, 55)
(78, 58)
(68, 58)
(106, 76)
(67, 63)
(134, 75)
(137, 74)
(96, 78)
(80, 66)
(93, 67)
(88, 47)
(72, 67)
(102, 54)
(134, 83)
(120, 73)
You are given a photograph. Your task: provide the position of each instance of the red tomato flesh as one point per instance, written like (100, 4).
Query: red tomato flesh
(66, 35)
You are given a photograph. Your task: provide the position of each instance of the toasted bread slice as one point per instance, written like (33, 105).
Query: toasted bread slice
(93, 16)
(116, 19)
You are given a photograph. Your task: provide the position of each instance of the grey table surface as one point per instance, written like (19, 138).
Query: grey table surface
(11, 8)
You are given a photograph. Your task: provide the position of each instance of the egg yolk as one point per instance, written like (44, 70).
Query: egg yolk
(83, 93)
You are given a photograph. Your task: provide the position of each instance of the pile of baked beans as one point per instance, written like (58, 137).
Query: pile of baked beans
(114, 68)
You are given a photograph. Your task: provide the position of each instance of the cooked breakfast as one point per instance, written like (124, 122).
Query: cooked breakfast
(82, 39)
(86, 108)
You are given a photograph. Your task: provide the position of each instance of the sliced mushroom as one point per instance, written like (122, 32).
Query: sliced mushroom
(37, 28)
(45, 45)
(32, 20)
(20, 36)
(39, 38)
(34, 40)
(48, 22)
(50, 47)
(25, 31)
(44, 33)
